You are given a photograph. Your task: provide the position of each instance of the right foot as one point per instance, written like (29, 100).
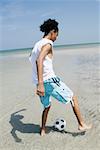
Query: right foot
(84, 127)
(42, 132)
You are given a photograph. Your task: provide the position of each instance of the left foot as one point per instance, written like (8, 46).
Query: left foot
(42, 132)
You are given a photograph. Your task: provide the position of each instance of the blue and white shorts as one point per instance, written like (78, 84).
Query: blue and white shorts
(56, 88)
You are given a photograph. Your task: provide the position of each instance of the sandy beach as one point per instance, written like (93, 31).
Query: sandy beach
(20, 107)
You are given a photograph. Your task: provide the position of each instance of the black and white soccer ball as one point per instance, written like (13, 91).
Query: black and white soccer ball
(60, 124)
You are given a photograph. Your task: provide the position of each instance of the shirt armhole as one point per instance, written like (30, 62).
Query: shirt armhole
(44, 45)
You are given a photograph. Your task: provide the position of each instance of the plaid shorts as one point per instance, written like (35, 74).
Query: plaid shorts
(58, 89)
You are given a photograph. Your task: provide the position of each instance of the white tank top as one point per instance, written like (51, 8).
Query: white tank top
(48, 71)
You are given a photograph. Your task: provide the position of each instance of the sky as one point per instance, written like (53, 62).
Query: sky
(79, 21)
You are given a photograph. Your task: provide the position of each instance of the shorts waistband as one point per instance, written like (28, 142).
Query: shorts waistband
(53, 80)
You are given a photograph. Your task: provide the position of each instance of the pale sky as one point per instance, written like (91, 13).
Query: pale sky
(79, 21)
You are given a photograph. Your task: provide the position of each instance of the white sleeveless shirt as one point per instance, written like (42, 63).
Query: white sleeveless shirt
(48, 71)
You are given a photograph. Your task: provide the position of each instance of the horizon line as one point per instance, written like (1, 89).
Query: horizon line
(58, 45)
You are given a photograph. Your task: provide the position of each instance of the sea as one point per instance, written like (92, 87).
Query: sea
(9, 52)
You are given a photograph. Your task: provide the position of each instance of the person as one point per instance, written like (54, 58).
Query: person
(47, 82)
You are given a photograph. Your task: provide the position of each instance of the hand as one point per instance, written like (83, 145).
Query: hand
(40, 90)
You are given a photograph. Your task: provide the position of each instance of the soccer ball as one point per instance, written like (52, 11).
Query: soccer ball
(60, 124)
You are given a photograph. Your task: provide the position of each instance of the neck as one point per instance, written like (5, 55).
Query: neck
(47, 37)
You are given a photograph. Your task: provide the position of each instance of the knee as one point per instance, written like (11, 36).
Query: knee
(74, 99)
(47, 108)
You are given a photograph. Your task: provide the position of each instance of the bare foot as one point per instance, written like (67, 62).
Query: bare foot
(84, 127)
(42, 132)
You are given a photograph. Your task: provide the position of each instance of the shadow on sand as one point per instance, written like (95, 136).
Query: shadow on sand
(18, 125)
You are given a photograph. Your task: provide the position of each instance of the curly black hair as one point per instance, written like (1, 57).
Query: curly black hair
(48, 25)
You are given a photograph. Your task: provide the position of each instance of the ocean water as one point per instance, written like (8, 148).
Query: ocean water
(10, 52)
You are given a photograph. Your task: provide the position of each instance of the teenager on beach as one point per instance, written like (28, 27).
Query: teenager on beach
(47, 82)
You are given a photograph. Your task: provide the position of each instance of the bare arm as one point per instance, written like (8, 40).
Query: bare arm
(44, 51)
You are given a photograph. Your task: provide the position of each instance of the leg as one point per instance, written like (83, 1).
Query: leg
(44, 119)
(75, 106)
